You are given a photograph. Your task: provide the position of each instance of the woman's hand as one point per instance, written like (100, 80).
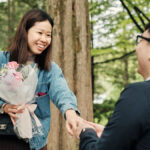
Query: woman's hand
(82, 126)
(86, 124)
(98, 128)
(75, 124)
(72, 122)
(12, 110)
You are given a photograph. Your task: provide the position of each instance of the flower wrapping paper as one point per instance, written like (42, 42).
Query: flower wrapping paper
(17, 86)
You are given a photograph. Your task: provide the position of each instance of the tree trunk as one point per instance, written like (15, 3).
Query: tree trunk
(11, 18)
(92, 58)
(126, 76)
(71, 51)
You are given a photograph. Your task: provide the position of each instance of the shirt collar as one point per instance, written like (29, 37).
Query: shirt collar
(148, 79)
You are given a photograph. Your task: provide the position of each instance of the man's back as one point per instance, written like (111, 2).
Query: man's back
(129, 126)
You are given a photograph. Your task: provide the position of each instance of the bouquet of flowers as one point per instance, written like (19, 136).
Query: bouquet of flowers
(17, 86)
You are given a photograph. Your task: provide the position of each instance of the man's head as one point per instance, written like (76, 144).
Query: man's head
(143, 53)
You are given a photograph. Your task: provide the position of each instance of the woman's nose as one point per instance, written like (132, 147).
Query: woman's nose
(43, 38)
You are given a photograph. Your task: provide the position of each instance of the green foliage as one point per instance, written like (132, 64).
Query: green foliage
(105, 50)
(115, 35)
(102, 112)
(20, 7)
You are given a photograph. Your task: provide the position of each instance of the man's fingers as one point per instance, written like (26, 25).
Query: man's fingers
(99, 134)
(96, 126)
(90, 123)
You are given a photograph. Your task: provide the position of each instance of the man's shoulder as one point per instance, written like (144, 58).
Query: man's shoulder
(137, 89)
(139, 85)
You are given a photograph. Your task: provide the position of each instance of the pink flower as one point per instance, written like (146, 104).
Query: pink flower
(12, 65)
(18, 76)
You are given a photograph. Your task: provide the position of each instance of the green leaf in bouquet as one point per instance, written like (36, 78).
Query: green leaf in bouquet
(24, 70)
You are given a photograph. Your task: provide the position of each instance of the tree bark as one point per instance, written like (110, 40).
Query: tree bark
(71, 51)
(11, 18)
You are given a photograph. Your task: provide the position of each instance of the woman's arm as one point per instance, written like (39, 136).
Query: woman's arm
(63, 98)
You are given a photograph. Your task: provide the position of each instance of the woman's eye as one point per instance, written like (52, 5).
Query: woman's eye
(39, 32)
(49, 35)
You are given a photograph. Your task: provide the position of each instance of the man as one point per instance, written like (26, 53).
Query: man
(129, 126)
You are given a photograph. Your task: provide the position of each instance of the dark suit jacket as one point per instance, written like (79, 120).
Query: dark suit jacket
(129, 126)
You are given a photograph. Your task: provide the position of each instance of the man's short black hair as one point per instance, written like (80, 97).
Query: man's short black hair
(147, 27)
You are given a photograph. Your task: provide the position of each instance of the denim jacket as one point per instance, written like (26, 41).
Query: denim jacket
(55, 86)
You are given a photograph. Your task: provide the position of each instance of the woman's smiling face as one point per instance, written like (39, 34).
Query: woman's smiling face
(39, 37)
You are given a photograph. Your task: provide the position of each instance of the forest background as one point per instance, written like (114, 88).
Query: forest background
(114, 25)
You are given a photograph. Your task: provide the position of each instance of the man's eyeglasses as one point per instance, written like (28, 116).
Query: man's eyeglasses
(140, 37)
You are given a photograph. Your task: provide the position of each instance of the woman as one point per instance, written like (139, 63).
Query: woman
(32, 44)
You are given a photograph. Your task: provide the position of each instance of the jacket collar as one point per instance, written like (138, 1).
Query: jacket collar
(148, 79)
